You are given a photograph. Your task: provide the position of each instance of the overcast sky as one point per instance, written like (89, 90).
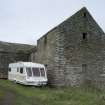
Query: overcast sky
(24, 21)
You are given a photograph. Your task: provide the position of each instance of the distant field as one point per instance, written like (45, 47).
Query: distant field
(15, 94)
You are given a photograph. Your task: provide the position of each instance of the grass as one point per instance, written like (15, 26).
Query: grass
(27, 95)
(1, 94)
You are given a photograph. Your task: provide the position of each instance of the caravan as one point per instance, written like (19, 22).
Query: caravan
(27, 73)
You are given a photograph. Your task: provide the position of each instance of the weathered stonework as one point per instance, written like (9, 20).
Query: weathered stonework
(74, 52)
(12, 52)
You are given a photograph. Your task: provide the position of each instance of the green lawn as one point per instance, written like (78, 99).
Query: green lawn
(28, 95)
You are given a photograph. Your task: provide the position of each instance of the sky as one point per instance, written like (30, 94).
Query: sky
(25, 21)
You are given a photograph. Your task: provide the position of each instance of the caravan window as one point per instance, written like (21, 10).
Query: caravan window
(42, 72)
(36, 72)
(21, 70)
(29, 72)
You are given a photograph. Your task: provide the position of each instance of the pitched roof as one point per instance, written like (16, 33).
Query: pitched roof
(78, 13)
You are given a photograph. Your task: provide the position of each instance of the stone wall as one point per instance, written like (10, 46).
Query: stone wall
(74, 52)
(83, 58)
(46, 52)
(10, 53)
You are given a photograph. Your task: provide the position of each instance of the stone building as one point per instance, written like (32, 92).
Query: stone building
(74, 52)
(32, 53)
(12, 52)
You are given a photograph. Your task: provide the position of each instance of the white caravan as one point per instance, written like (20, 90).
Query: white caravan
(27, 73)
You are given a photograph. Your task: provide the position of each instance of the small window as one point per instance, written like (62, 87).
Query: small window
(9, 69)
(21, 70)
(42, 72)
(84, 14)
(17, 69)
(84, 65)
(36, 72)
(84, 36)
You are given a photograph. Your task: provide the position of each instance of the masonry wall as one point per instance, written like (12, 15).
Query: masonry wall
(6, 58)
(10, 53)
(84, 57)
(46, 54)
(71, 59)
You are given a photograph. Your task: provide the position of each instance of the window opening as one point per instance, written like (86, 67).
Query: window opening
(84, 14)
(84, 36)
(21, 70)
(36, 72)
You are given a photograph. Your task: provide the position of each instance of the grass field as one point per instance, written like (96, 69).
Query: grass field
(28, 95)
